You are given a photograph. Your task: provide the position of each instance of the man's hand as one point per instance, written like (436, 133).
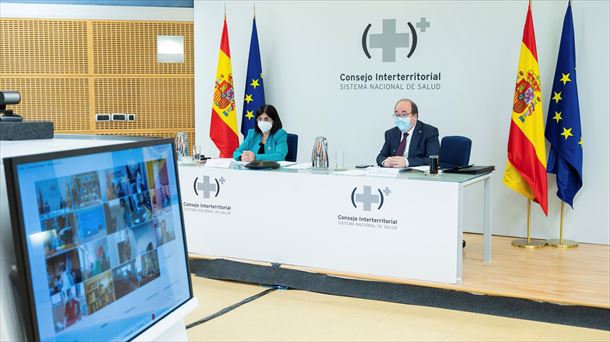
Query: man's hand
(395, 162)
(248, 156)
(387, 162)
(399, 162)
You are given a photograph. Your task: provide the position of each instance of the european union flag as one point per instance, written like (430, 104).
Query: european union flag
(254, 92)
(563, 129)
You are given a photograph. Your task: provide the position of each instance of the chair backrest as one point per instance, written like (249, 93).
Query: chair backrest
(455, 151)
(293, 145)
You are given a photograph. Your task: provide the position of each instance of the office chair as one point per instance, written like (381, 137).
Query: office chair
(455, 152)
(293, 145)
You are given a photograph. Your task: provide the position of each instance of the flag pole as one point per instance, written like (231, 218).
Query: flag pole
(561, 243)
(529, 215)
(528, 243)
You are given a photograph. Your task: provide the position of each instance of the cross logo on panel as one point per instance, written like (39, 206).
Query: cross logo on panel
(207, 187)
(390, 39)
(367, 198)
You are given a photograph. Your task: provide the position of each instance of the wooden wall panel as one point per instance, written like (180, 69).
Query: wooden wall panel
(69, 70)
(34, 46)
(61, 100)
(122, 47)
(159, 103)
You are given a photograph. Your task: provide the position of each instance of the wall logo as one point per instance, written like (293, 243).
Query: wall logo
(207, 187)
(367, 198)
(389, 40)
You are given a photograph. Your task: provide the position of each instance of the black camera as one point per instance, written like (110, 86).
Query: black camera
(6, 98)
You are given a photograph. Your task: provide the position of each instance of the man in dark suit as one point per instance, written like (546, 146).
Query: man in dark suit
(410, 142)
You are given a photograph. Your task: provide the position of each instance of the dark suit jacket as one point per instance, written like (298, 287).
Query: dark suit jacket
(424, 143)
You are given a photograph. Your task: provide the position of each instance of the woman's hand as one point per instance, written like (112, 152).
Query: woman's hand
(248, 156)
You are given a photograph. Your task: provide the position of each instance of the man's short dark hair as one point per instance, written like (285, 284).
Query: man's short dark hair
(272, 112)
(414, 108)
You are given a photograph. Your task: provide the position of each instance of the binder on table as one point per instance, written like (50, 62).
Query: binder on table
(472, 169)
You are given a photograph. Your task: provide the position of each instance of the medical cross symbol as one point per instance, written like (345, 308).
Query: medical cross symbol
(423, 24)
(207, 187)
(389, 40)
(367, 198)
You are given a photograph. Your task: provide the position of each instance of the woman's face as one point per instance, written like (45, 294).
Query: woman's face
(264, 117)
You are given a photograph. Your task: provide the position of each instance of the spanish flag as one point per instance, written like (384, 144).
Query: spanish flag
(526, 166)
(223, 124)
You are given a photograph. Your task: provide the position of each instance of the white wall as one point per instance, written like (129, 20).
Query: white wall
(305, 45)
(53, 11)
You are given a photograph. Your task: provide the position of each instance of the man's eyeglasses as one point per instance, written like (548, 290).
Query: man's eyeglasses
(403, 115)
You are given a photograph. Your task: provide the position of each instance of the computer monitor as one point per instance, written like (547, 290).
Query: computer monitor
(99, 240)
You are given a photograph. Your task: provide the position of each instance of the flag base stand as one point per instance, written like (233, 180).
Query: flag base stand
(528, 243)
(562, 243)
(531, 244)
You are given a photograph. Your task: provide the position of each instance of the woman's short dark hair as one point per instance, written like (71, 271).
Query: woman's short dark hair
(272, 112)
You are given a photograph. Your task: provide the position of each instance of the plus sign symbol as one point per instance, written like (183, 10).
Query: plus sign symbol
(367, 198)
(390, 39)
(207, 187)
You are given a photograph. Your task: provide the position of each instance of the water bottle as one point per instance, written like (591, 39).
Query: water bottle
(319, 155)
(182, 145)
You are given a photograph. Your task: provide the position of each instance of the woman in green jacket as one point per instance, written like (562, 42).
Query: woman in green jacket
(266, 141)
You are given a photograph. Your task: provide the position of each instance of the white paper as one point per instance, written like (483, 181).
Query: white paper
(351, 172)
(422, 168)
(382, 171)
(284, 163)
(223, 163)
(187, 160)
(300, 166)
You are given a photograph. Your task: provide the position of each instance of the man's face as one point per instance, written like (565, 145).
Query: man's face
(403, 109)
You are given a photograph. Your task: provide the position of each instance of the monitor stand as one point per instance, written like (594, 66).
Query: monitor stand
(171, 327)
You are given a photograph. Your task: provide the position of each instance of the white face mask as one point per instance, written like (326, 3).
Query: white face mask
(265, 126)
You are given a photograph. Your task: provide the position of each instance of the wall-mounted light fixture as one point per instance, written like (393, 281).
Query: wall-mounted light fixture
(170, 49)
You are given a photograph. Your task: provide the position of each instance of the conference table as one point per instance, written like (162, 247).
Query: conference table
(407, 226)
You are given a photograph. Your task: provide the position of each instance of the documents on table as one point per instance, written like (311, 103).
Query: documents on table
(356, 172)
(422, 168)
(392, 172)
(299, 166)
(376, 171)
(223, 163)
(284, 163)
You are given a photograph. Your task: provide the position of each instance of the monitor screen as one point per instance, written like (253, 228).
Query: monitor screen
(100, 236)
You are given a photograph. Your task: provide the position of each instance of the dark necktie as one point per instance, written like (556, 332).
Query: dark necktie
(403, 145)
